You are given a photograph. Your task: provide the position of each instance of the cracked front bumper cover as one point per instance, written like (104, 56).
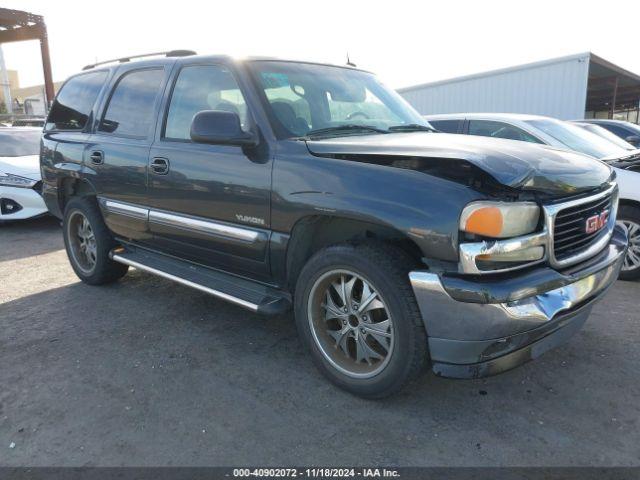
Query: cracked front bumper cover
(472, 335)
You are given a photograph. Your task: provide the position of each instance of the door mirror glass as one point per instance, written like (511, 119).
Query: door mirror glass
(634, 139)
(219, 128)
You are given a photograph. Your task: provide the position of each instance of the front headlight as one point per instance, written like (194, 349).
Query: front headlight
(9, 180)
(508, 239)
(500, 219)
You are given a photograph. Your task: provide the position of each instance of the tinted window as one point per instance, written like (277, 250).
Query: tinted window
(604, 133)
(577, 138)
(71, 109)
(486, 128)
(130, 109)
(447, 126)
(198, 88)
(18, 143)
(619, 131)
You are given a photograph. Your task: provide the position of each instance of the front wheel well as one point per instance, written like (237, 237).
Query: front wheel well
(314, 233)
(629, 203)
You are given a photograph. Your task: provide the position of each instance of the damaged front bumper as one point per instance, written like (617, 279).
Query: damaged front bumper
(479, 327)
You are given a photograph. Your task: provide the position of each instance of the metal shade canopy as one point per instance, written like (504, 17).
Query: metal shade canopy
(18, 26)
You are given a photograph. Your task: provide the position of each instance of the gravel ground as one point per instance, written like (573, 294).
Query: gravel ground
(146, 372)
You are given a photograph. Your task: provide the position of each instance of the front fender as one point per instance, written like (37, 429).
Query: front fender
(422, 207)
(628, 184)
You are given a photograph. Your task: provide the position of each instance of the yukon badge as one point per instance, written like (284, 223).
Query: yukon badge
(247, 219)
(596, 222)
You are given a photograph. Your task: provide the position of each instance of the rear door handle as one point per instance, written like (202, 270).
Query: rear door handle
(97, 157)
(160, 166)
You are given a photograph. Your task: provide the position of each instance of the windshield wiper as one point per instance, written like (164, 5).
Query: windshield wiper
(345, 128)
(411, 127)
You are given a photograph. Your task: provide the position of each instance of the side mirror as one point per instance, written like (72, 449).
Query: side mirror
(217, 127)
(633, 139)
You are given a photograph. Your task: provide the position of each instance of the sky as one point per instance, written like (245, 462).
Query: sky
(404, 42)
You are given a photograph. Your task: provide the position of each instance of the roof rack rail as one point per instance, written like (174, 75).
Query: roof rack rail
(170, 53)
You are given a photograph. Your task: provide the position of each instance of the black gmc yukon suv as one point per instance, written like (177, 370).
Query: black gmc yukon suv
(275, 185)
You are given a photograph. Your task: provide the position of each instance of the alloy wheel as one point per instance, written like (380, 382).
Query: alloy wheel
(82, 242)
(632, 259)
(350, 323)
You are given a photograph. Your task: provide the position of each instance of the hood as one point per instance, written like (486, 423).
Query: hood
(27, 166)
(515, 164)
(629, 155)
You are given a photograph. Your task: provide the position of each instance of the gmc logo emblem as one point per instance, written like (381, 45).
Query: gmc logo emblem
(596, 222)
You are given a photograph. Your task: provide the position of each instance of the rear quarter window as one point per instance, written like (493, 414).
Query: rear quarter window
(72, 106)
(130, 111)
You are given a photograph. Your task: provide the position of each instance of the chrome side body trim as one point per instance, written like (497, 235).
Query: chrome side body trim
(125, 209)
(179, 221)
(203, 226)
(469, 252)
(238, 301)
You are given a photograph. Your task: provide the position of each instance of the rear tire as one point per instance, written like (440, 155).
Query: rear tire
(354, 345)
(629, 216)
(88, 243)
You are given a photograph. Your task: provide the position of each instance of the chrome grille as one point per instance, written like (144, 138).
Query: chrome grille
(570, 238)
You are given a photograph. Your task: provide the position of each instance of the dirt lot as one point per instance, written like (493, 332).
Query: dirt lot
(146, 372)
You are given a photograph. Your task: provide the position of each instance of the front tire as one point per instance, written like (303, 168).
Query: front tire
(629, 217)
(88, 243)
(356, 312)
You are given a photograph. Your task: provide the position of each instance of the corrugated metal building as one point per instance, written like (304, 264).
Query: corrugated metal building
(576, 86)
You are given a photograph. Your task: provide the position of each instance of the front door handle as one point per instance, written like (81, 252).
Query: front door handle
(160, 166)
(97, 157)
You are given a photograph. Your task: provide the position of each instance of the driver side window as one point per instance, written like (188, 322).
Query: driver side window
(198, 88)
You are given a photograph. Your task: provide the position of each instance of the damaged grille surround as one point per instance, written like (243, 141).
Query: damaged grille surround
(562, 248)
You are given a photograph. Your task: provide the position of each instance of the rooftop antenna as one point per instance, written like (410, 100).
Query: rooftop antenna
(351, 64)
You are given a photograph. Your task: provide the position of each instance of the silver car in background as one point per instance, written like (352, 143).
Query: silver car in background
(629, 132)
(606, 134)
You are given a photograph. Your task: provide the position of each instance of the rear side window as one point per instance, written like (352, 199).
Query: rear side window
(71, 109)
(130, 111)
(446, 126)
(486, 128)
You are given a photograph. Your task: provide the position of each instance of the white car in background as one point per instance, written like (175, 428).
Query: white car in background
(20, 174)
(569, 136)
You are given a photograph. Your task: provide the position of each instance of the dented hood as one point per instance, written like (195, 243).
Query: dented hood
(519, 165)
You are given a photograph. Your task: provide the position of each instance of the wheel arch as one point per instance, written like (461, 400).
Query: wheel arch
(629, 203)
(315, 232)
(70, 187)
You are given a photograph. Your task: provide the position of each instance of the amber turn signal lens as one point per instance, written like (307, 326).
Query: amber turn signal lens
(486, 221)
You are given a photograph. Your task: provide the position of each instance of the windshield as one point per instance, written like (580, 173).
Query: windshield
(303, 98)
(578, 139)
(632, 126)
(604, 133)
(17, 143)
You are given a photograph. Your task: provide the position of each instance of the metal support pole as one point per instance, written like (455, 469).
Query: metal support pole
(46, 68)
(613, 101)
(6, 85)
